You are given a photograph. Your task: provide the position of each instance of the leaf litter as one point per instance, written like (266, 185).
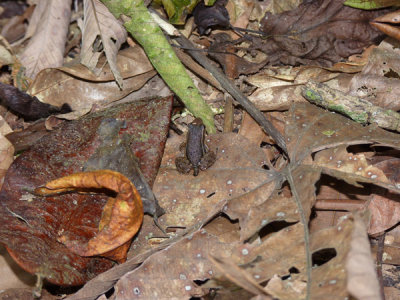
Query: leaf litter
(240, 228)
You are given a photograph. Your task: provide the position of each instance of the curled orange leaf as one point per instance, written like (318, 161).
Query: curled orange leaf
(121, 218)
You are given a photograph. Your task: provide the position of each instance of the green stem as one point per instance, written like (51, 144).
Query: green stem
(147, 33)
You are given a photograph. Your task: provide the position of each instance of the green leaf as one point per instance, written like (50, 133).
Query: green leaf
(371, 4)
(178, 10)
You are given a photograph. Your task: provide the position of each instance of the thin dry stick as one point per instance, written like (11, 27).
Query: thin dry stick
(379, 257)
(228, 114)
(235, 92)
(227, 84)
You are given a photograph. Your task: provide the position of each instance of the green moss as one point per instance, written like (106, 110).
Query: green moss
(361, 118)
(313, 96)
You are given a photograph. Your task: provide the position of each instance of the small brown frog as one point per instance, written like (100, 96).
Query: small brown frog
(197, 155)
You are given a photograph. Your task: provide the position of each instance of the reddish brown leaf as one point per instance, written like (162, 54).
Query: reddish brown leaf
(122, 215)
(32, 225)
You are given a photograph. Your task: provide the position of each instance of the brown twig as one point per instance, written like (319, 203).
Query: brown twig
(379, 256)
(228, 114)
(235, 92)
(339, 204)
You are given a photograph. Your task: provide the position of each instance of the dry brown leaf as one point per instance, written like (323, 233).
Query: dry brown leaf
(121, 217)
(238, 275)
(80, 88)
(251, 130)
(101, 31)
(188, 199)
(171, 273)
(46, 48)
(353, 164)
(384, 206)
(378, 82)
(362, 282)
(310, 129)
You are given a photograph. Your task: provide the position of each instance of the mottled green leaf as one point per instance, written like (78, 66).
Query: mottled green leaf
(371, 4)
(178, 10)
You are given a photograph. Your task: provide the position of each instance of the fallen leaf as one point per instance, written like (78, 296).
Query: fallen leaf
(46, 47)
(24, 139)
(105, 281)
(378, 82)
(16, 27)
(34, 224)
(100, 24)
(238, 276)
(280, 91)
(80, 88)
(172, 272)
(370, 4)
(121, 217)
(178, 10)
(188, 199)
(384, 206)
(311, 35)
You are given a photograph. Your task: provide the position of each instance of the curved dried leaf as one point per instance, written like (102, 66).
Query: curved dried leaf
(121, 217)
(100, 25)
(80, 88)
(46, 48)
(32, 225)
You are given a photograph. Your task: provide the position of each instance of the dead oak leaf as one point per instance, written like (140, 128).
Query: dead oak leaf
(339, 159)
(172, 273)
(121, 217)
